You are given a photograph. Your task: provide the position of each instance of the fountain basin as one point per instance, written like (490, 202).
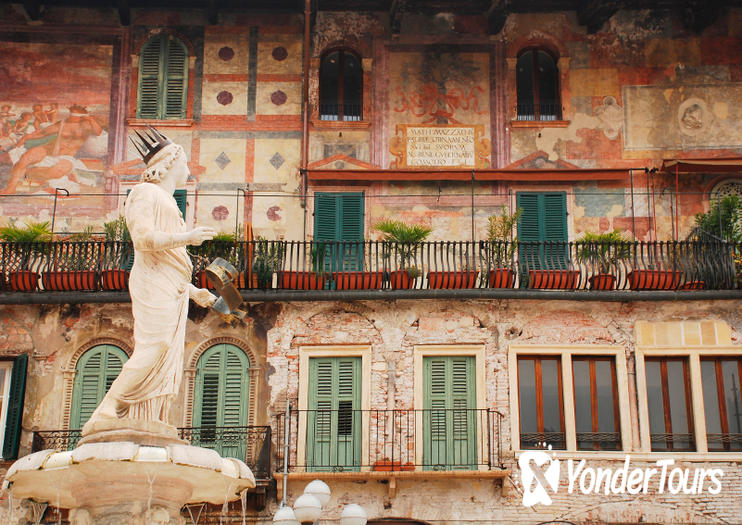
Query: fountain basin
(111, 477)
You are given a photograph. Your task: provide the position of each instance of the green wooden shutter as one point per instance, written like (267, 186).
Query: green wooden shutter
(221, 400)
(150, 71)
(334, 419)
(339, 217)
(163, 79)
(94, 373)
(544, 219)
(176, 80)
(14, 416)
(181, 198)
(449, 417)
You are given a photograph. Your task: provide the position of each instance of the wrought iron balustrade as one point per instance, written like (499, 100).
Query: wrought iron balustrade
(346, 440)
(252, 444)
(353, 265)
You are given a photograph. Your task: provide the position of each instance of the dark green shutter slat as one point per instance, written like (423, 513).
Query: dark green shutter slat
(333, 421)
(325, 217)
(543, 220)
(181, 198)
(221, 400)
(14, 416)
(163, 79)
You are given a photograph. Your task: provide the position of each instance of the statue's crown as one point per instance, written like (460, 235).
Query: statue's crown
(150, 143)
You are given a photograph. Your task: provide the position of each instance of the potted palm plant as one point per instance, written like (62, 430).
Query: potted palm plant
(402, 241)
(25, 247)
(73, 263)
(602, 252)
(117, 256)
(499, 248)
(266, 260)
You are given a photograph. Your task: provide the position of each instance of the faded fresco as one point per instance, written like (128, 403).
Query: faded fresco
(54, 117)
(702, 116)
(439, 88)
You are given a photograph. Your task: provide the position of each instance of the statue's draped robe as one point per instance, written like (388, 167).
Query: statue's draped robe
(159, 296)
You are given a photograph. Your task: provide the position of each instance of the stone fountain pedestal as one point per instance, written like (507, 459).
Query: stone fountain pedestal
(127, 472)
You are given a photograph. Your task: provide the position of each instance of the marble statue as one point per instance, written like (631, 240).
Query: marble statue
(160, 287)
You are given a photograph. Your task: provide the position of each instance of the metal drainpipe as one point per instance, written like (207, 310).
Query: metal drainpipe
(305, 113)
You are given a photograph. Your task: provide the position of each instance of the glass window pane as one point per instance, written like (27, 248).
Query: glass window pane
(527, 395)
(606, 401)
(710, 397)
(524, 85)
(654, 398)
(730, 371)
(552, 401)
(328, 86)
(547, 84)
(676, 391)
(583, 412)
(352, 86)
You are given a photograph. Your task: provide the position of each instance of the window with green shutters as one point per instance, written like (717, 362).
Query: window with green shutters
(543, 220)
(334, 419)
(95, 371)
(221, 400)
(163, 79)
(339, 217)
(13, 385)
(449, 418)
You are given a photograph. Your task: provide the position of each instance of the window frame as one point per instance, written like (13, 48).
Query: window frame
(536, 100)
(566, 352)
(5, 399)
(594, 413)
(420, 352)
(307, 352)
(538, 378)
(693, 353)
(340, 101)
(164, 41)
(720, 398)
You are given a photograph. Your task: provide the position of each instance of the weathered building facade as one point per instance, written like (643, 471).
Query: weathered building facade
(306, 126)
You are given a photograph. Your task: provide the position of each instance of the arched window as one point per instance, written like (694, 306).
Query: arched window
(221, 400)
(163, 79)
(94, 372)
(537, 85)
(341, 86)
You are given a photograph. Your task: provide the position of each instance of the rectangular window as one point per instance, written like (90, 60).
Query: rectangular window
(722, 400)
(540, 398)
(450, 415)
(596, 403)
(669, 399)
(5, 374)
(334, 415)
(542, 231)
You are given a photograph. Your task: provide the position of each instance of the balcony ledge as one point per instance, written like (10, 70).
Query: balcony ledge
(262, 296)
(499, 476)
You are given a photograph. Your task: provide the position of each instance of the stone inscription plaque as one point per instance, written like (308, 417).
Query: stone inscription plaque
(439, 146)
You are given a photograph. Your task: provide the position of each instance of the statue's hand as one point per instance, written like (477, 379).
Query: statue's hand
(200, 234)
(201, 296)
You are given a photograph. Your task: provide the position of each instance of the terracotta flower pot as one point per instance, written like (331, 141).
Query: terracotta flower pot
(654, 279)
(501, 278)
(114, 280)
(602, 281)
(553, 279)
(23, 281)
(357, 280)
(302, 281)
(693, 285)
(68, 280)
(401, 280)
(386, 465)
(203, 282)
(459, 279)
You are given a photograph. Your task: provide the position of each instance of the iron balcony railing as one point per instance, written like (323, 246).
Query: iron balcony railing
(346, 440)
(251, 444)
(353, 265)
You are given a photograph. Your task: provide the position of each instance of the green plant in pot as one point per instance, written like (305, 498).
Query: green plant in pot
(117, 256)
(73, 264)
(499, 248)
(403, 242)
(266, 259)
(222, 245)
(602, 253)
(25, 254)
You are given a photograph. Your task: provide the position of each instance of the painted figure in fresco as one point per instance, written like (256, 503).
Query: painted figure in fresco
(160, 287)
(49, 152)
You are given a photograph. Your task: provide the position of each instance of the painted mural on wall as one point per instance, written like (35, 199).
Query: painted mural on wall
(54, 116)
(697, 116)
(440, 90)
